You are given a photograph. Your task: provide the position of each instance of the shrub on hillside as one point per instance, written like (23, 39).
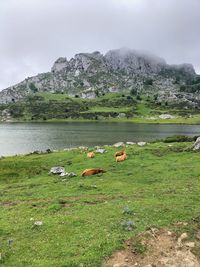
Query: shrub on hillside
(33, 88)
(179, 138)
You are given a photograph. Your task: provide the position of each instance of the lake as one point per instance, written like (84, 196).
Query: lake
(21, 138)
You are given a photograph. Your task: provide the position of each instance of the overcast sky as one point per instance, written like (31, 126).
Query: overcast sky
(34, 33)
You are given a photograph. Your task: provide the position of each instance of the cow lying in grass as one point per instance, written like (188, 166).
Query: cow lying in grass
(120, 153)
(89, 172)
(121, 158)
(90, 154)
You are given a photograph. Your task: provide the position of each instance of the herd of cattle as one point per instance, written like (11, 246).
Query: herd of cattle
(119, 156)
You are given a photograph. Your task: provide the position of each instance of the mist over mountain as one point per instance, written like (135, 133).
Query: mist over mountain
(90, 75)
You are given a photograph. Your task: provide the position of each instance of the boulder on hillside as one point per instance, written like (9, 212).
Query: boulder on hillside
(141, 143)
(130, 143)
(196, 145)
(100, 150)
(57, 170)
(68, 174)
(119, 144)
(166, 116)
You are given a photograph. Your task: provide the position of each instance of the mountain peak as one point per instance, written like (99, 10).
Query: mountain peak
(122, 69)
(59, 64)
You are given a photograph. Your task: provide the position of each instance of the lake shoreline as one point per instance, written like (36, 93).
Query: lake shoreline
(179, 120)
(24, 137)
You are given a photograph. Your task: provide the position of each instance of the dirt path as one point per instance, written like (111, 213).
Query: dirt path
(158, 248)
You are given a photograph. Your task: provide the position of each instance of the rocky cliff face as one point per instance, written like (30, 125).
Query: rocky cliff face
(133, 62)
(91, 74)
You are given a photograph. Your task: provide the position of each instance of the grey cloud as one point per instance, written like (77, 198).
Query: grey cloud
(35, 33)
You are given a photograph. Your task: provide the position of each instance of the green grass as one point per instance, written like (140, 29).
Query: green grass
(82, 217)
(143, 110)
(108, 109)
(195, 119)
(60, 97)
(50, 96)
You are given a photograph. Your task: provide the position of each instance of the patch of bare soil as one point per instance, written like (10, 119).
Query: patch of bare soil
(7, 204)
(158, 248)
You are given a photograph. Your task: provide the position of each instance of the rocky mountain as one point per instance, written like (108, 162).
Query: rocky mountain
(89, 75)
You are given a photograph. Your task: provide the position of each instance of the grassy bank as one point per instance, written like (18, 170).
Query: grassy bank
(142, 120)
(179, 120)
(85, 219)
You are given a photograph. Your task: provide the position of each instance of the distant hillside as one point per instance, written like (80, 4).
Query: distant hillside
(90, 75)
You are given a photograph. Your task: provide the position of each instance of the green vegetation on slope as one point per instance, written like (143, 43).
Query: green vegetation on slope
(48, 106)
(109, 107)
(83, 218)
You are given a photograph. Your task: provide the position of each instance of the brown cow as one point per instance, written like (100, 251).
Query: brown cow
(89, 172)
(90, 154)
(121, 158)
(120, 153)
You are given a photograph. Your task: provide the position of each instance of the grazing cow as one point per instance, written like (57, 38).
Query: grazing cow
(121, 158)
(120, 153)
(89, 172)
(90, 154)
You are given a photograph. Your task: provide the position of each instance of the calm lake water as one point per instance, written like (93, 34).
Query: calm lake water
(20, 138)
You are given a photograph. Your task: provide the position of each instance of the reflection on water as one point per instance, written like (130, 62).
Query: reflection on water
(18, 138)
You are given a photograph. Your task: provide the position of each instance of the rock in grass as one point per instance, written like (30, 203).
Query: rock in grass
(100, 150)
(57, 170)
(130, 143)
(64, 174)
(196, 145)
(72, 174)
(38, 223)
(166, 116)
(68, 174)
(141, 143)
(119, 144)
(122, 115)
(128, 225)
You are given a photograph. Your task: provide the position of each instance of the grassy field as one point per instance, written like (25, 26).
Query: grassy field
(85, 219)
